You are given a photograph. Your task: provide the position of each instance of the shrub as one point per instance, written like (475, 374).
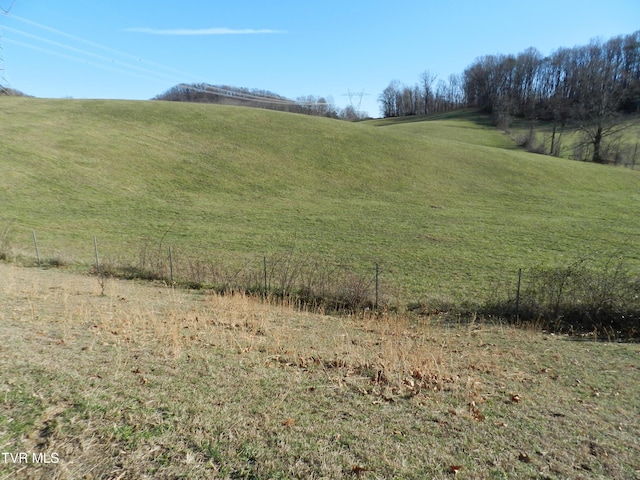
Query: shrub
(602, 297)
(304, 280)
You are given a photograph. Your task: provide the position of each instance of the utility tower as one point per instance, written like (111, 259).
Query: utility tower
(4, 84)
(357, 95)
(3, 78)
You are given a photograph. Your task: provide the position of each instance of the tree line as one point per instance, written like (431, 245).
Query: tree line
(580, 82)
(258, 98)
(426, 96)
(590, 87)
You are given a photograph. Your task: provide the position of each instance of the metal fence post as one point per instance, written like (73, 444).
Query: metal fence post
(171, 265)
(95, 248)
(518, 294)
(35, 242)
(377, 284)
(264, 260)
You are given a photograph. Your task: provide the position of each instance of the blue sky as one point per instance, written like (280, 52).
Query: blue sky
(137, 49)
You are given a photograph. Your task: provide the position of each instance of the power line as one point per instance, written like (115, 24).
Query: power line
(215, 90)
(134, 69)
(98, 46)
(6, 12)
(87, 53)
(151, 71)
(78, 59)
(3, 78)
(212, 89)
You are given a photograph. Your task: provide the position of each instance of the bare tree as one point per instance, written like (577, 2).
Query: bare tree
(426, 82)
(389, 100)
(599, 93)
(455, 93)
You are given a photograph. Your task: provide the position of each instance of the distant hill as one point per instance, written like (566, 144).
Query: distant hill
(11, 92)
(228, 95)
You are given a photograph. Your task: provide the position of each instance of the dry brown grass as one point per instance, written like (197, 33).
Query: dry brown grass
(151, 382)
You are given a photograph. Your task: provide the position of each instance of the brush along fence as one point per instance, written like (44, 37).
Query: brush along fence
(303, 279)
(591, 294)
(600, 296)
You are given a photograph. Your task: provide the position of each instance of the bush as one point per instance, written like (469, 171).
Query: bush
(601, 297)
(305, 280)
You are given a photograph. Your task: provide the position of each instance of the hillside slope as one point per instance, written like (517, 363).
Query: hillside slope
(447, 208)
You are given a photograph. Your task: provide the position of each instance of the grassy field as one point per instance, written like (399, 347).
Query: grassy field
(111, 379)
(447, 207)
(149, 382)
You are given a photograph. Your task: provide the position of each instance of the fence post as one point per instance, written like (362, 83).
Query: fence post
(377, 284)
(95, 248)
(264, 259)
(518, 294)
(35, 242)
(171, 266)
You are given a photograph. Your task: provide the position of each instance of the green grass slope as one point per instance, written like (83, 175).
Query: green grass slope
(447, 206)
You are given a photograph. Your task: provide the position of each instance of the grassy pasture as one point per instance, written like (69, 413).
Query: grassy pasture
(151, 382)
(447, 206)
(148, 382)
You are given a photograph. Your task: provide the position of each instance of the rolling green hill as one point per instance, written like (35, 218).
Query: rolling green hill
(447, 207)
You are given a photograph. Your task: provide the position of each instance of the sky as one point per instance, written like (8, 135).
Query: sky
(347, 50)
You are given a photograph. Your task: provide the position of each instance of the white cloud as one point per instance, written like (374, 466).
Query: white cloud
(203, 31)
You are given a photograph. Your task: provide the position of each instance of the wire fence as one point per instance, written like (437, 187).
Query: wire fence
(600, 295)
(305, 279)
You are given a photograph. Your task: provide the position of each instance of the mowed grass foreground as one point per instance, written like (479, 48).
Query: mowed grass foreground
(151, 382)
(447, 207)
